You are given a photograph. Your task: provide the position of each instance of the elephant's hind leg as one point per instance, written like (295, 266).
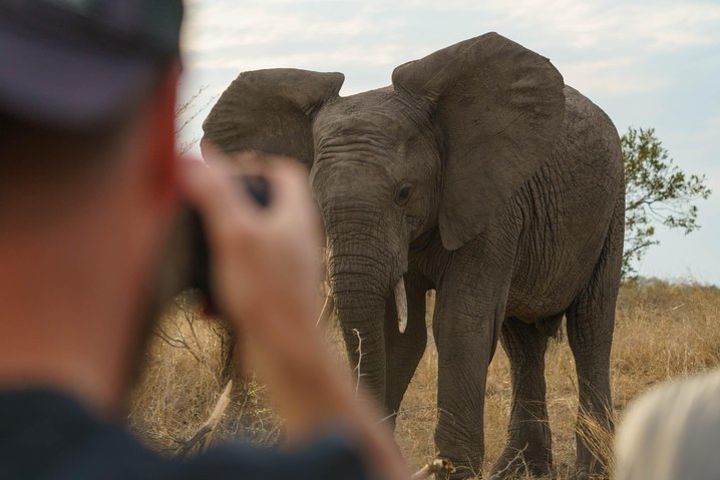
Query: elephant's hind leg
(590, 324)
(529, 441)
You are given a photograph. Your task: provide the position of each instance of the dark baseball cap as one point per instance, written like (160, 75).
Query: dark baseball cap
(74, 63)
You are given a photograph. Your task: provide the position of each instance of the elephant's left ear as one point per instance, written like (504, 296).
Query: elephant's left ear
(500, 107)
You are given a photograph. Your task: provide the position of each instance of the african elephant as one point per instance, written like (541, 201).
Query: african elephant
(477, 173)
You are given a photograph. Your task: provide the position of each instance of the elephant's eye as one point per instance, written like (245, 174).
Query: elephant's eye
(403, 194)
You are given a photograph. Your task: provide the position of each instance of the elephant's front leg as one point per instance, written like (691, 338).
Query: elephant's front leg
(403, 351)
(466, 331)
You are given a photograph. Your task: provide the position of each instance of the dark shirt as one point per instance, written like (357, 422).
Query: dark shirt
(44, 435)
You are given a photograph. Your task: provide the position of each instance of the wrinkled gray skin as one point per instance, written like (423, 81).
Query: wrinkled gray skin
(514, 215)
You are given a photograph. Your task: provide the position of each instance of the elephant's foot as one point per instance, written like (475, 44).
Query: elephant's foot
(461, 472)
(581, 475)
(465, 469)
(595, 471)
(535, 462)
(584, 475)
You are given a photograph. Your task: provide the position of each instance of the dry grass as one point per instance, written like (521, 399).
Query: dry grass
(663, 331)
(182, 382)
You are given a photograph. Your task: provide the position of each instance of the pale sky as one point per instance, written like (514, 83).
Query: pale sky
(650, 63)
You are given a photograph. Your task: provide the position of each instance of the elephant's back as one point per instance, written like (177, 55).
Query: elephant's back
(587, 166)
(588, 133)
(566, 209)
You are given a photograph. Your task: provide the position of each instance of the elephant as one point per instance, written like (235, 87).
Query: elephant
(477, 174)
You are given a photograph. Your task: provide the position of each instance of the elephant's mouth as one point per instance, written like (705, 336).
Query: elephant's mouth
(400, 305)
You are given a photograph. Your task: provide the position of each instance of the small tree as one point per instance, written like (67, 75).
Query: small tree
(658, 193)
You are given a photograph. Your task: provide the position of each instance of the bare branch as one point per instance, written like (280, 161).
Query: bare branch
(359, 362)
(203, 437)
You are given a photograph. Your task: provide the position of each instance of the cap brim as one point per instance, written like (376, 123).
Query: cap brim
(59, 86)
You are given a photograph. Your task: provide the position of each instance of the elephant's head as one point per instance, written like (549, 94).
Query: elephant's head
(444, 148)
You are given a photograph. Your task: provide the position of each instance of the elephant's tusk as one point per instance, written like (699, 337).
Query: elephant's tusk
(401, 304)
(327, 309)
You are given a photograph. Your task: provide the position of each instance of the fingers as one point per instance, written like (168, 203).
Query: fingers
(286, 176)
(290, 181)
(290, 192)
(292, 201)
(223, 207)
(243, 163)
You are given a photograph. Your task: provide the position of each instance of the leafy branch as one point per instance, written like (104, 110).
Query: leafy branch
(658, 192)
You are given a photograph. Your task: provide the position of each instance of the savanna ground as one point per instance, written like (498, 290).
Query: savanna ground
(663, 331)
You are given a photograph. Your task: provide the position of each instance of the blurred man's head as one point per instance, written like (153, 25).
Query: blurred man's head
(47, 172)
(87, 184)
(672, 432)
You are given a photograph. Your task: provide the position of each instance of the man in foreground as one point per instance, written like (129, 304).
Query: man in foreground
(90, 187)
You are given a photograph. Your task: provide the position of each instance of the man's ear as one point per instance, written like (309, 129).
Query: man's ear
(271, 111)
(162, 144)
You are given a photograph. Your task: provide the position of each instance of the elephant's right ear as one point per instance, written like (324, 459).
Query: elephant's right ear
(271, 111)
(500, 107)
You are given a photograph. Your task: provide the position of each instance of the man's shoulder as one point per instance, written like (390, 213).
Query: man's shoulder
(47, 434)
(329, 456)
(51, 436)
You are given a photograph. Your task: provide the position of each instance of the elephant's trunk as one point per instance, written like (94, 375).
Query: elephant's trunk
(361, 314)
(360, 280)
(364, 265)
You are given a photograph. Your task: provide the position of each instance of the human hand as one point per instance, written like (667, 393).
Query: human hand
(264, 261)
(265, 270)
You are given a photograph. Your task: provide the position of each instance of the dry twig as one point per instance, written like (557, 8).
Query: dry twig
(327, 310)
(359, 362)
(202, 437)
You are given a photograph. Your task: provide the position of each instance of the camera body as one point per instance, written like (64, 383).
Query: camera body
(188, 259)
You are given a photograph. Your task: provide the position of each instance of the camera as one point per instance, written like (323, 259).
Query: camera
(187, 262)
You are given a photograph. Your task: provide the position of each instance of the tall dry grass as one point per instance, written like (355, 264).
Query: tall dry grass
(663, 331)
